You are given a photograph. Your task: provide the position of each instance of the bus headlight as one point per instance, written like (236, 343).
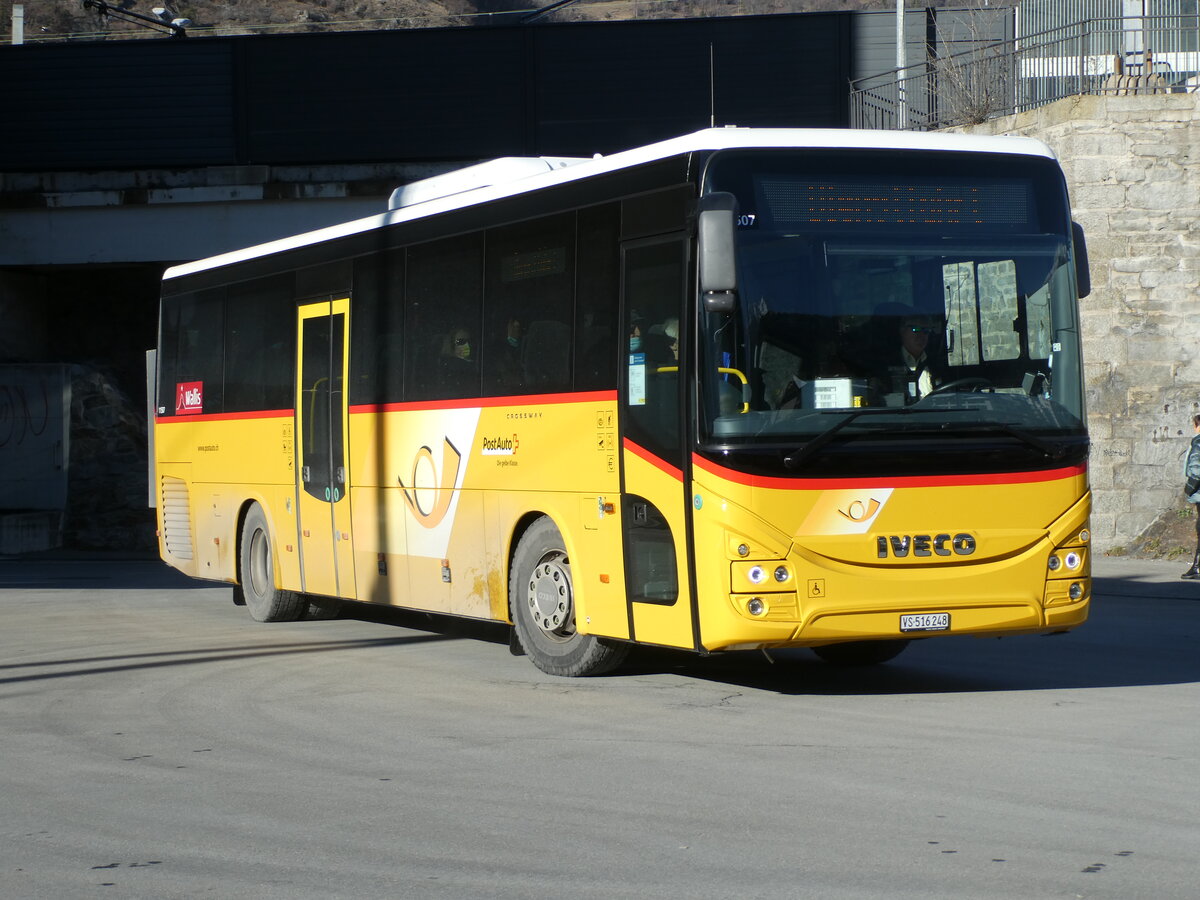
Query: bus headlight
(1073, 560)
(782, 574)
(757, 575)
(1053, 562)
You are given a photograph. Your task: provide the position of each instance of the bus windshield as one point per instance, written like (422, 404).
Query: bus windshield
(892, 313)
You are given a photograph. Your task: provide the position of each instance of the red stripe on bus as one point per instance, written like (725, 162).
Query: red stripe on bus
(643, 453)
(225, 417)
(487, 402)
(767, 481)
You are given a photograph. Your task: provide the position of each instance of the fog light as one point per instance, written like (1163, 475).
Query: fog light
(1053, 562)
(1074, 560)
(755, 606)
(757, 574)
(1076, 590)
(781, 574)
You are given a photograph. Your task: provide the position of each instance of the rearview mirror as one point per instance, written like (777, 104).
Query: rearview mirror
(717, 246)
(1083, 272)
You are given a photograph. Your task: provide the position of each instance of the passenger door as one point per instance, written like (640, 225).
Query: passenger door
(322, 418)
(654, 505)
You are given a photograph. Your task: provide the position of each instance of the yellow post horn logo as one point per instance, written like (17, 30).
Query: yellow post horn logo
(858, 511)
(443, 492)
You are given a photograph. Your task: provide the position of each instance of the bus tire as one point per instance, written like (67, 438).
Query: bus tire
(541, 597)
(860, 653)
(264, 600)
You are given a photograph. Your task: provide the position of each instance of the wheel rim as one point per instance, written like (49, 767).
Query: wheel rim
(548, 596)
(260, 563)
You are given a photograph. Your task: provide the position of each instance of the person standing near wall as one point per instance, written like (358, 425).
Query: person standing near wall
(1191, 488)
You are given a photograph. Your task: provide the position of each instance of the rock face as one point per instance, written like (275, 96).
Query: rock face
(107, 506)
(1133, 170)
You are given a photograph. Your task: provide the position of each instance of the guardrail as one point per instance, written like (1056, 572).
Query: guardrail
(1146, 54)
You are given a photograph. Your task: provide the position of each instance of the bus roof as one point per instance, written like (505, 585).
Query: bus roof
(549, 175)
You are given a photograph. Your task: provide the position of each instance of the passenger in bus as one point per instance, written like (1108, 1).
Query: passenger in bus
(635, 331)
(671, 330)
(911, 370)
(504, 358)
(914, 346)
(460, 376)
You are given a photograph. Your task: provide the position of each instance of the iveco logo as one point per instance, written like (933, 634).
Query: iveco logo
(902, 545)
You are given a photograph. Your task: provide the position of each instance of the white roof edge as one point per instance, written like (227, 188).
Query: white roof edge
(728, 138)
(480, 175)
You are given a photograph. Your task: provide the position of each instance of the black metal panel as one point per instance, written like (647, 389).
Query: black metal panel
(430, 94)
(125, 104)
(383, 96)
(609, 86)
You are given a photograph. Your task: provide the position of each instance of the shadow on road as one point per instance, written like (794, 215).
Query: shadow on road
(98, 573)
(39, 670)
(1143, 630)
(1139, 633)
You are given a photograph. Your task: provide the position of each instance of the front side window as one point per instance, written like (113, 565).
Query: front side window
(894, 311)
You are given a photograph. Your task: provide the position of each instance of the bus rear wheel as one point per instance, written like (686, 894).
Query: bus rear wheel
(860, 653)
(266, 602)
(542, 599)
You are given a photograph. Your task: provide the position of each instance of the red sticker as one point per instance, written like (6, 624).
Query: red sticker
(189, 398)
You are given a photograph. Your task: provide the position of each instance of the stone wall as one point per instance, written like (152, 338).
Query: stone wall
(1133, 170)
(107, 505)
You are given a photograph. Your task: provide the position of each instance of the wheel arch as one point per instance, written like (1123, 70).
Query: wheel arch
(523, 524)
(243, 511)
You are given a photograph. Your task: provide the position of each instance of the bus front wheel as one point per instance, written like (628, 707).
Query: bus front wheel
(542, 599)
(266, 602)
(860, 653)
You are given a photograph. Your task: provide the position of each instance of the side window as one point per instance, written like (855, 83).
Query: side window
(653, 283)
(259, 348)
(377, 329)
(981, 311)
(1037, 317)
(530, 284)
(443, 300)
(597, 330)
(998, 309)
(962, 330)
(191, 354)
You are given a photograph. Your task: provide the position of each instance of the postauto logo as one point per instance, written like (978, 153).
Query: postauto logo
(500, 446)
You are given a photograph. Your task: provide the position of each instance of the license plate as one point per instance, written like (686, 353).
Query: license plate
(925, 622)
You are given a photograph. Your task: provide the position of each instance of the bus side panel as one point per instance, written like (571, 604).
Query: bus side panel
(440, 493)
(233, 461)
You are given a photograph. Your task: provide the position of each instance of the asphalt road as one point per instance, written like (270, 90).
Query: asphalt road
(155, 742)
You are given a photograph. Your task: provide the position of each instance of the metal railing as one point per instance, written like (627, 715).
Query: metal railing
(1146, 54)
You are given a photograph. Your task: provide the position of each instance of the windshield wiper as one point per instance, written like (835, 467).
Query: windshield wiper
(1052, 449)
(798, 456)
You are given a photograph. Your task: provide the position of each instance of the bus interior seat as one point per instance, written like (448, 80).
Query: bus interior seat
(546, 356)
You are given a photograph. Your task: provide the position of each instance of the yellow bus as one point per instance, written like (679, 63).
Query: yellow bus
(741, 389)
